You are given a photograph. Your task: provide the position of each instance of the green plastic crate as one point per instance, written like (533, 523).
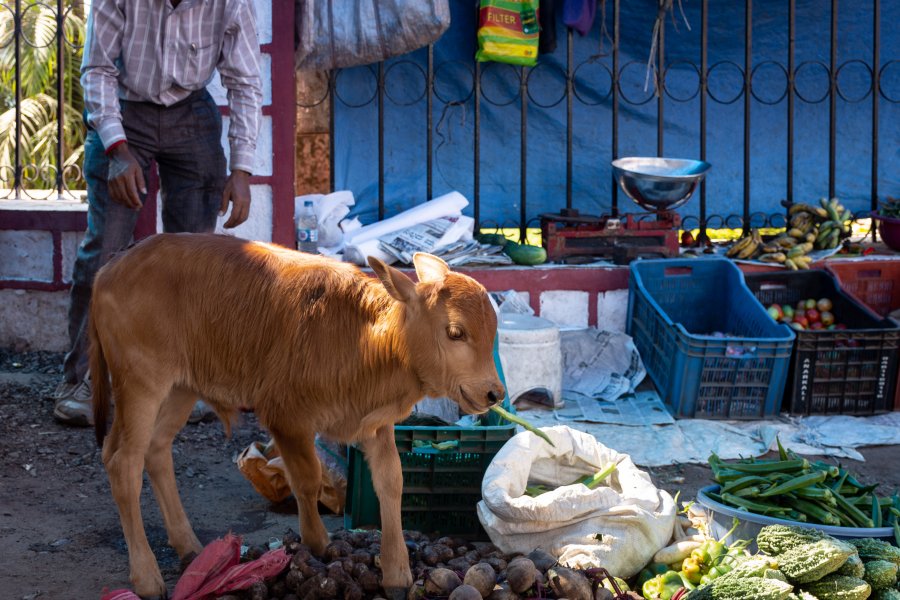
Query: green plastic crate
(440, 488)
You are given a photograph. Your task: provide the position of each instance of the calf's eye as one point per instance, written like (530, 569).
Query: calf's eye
(455, 333)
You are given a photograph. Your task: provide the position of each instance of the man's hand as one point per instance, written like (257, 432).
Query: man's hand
(237, 192)
(125, 178)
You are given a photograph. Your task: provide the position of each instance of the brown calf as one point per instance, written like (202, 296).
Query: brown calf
(310, 344)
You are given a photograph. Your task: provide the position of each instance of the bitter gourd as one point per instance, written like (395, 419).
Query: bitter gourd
(888, 594)
(854, 567)
(778, 539)
(880, 574)
(747, 588)
(839, 587)
(751, 567)
(811, 562)
(872, 549)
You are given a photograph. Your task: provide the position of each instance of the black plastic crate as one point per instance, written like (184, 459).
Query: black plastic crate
(851, 371)
(441, 488)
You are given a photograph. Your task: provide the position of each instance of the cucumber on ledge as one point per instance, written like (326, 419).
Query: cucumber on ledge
(494, 239)
(524, 254)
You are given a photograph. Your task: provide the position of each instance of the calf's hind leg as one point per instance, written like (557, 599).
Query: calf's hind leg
(123, 455)
(172, 416)
(305, 477)
(387, 478)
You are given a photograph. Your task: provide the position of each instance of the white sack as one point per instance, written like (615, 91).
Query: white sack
(633, 519)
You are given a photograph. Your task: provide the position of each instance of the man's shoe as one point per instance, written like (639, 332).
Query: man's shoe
(64, 388)
(73, 404)
(201, 412)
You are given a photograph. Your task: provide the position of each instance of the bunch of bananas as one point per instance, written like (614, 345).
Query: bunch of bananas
(809, 228)
(747, 247)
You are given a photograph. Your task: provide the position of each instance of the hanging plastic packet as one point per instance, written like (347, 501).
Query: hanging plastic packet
(508, 32)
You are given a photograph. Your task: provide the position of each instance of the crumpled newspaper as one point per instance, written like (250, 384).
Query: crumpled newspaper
(600, 364)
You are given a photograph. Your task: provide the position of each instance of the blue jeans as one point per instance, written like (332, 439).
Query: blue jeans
(185, 141)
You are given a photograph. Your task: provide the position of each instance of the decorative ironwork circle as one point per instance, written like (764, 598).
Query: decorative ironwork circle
(535, 72)
(689, 222)
(754, 87)
(777, 220)
(651, 84)
(734, 221)
(51, 38)
(491, 67)
(68, 176)
(7, 175)
(329, 89)
(73, 45)
(29, 172)
(583, 96)
(837, 80)
(445, 96)
(759, 219)
(694, 68)
(882, 79)
(715, 221)
(709, 81)
(6, 37)
(489, 224)
(812, 63)
(337, 87)
(387, 88)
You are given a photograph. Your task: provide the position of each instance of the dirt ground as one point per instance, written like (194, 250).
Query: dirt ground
(59, 528)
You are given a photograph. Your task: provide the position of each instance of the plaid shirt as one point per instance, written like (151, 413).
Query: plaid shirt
(147, 51)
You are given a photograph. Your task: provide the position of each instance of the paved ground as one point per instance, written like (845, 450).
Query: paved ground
(58, 525)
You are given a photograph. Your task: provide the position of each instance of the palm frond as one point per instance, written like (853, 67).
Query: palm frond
(41, 90)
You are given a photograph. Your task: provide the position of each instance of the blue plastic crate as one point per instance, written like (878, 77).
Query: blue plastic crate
(678, 312)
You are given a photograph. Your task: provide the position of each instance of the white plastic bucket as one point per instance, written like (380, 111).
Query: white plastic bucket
(531, 358)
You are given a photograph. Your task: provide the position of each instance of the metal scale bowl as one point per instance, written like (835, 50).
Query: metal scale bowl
(657, 185)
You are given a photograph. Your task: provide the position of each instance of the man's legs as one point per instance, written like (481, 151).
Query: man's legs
(109, 229)
(191, 165)
(192, 175)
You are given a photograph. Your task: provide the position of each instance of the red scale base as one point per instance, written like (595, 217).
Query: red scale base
(570, 237)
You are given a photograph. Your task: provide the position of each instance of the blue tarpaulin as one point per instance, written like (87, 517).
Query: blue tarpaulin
(405, 118)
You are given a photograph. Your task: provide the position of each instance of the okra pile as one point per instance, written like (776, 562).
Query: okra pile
(796, 489)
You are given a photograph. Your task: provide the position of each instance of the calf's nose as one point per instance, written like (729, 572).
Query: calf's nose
(496, 395)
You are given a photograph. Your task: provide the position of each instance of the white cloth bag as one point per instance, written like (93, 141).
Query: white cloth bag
(332, 34)
(619, 525)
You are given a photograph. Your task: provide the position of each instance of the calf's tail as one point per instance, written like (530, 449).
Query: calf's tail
(100, 391)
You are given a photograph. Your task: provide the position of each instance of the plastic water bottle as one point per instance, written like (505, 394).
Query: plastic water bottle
(307, 229)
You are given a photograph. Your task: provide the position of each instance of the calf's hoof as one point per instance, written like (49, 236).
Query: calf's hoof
(187, 559)
(152, 588)
(396, 593)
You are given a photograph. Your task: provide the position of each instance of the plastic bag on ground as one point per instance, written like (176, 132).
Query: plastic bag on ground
(217, 570)
(264, 468)
(619, 525)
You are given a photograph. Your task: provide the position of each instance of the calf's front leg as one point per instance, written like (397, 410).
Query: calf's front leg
(387, 478)
(305, 476)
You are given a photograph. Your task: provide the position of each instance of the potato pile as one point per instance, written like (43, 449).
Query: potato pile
(446, 568)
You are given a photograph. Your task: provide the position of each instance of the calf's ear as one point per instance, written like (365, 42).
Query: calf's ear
(398, 285)
(429, 268)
